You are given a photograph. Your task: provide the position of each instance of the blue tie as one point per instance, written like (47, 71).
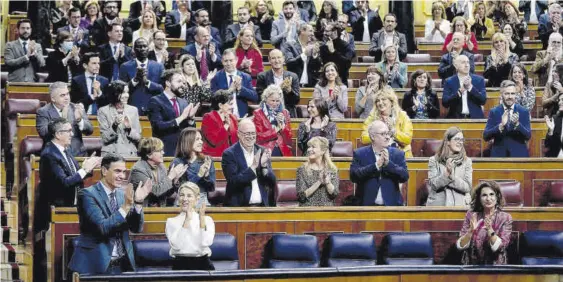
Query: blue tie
(115, 75)
(94, 105)
(24, 47)
(118, 243)
(230, 80)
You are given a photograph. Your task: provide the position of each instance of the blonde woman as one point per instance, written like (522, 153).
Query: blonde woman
(450, 172)
(500, 62)
(482, 26)
(190, 233)
(248, 54)
(317, 179)
(262, 15)
(148, 27)
(197, 90)
(436, 29)
(394, 71)
(387, 109)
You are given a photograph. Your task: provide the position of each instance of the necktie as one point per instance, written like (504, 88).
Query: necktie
(94, 105)
(115, 75)
(24, 47)
(175, 106)
(230, 79)
(70, 162)
(117, 239)
(143, 65)
(203, 65)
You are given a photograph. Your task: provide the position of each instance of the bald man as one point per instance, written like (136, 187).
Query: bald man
(286, 80)
(447, 68)
(205, 52)
(248, 170)
(464, 93)
(378, 169)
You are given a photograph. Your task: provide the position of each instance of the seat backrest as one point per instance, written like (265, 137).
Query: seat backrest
(418, 58)
(407, 248)
(285, 194)
(152, 254)
(367, 59)
(555, 198)
(512, 193)
(478, 57)
(302, 111)
(14, 107)
(541, 247)
(342, 250)
(217, 197)
(436, 83)
(30, 145)
(430, 147)
(342, 149)
(224, 253)
(93, 144)
(293, 251)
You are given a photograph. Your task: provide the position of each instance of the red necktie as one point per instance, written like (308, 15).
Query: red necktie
(175, 106)
(203, 65)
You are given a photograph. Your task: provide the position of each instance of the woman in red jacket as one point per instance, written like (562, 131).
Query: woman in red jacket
(248, 54)
(219, 127)
(273, 130)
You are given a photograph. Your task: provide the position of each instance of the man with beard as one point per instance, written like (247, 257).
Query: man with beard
(285, 30)
(143, 76)
(388, 36)
(508, 125)
(202, 19)
(243, 21)
(169, 113)
(337, 51)
(100, 28)
(23, 56)
(302, 56)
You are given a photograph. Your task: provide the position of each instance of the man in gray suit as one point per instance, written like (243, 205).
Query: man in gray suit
(23, 56)
(388, 35)
(243, 21)
(285, 30)
(60, 106)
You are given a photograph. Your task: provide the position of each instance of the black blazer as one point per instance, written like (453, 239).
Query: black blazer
(170, 64)
(342, 57)
(357, 23)
(79, 91)
(432, 104)
(99, 35)
(290, 99)
(136, 8)
(107, 60)
(292, 52)
(553, 143)
(57, 71)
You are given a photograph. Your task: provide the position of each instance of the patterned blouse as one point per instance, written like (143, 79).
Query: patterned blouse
(329, 132)
(306, 179)
(480, 250)
(529, 98)
(198, 94)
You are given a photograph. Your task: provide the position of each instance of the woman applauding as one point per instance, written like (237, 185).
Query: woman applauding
(273, 125)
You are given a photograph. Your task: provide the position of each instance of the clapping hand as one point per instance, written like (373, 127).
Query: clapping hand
(265, 159)
(335, 92)
(237, 81)
(324, 122)
(212, 49)
(450, 166)
(202, 216)
(79, 111)
(550, 123)
(515, 119)
(286, 84)
(385, 156)
(91, 163)
(205, 167)
(96, 86)
(176, 171)
(281, 120)
(211, 75)
(467, 82)
(126, 121)
(119, 118)
(473, 222)
(31, 51)
(143, 190)
(330, 45)
(256, 160)
(504, 120)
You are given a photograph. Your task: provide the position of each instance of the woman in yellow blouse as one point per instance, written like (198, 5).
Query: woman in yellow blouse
(387, 109)
(481, 25)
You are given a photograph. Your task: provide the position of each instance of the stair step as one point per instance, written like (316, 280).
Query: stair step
(3, 218)
(9, 235)
(12, 253)
(10, 271)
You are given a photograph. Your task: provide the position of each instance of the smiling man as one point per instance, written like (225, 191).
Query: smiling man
(508, 125)
(23, 56)
(464, 93)
(387, 36)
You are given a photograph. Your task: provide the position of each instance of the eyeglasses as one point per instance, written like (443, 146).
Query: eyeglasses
(458, 140)
(384, 134)
(65, 131)
(247, 134)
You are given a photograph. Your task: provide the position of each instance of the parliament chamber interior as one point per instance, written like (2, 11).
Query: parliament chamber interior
(271, 140)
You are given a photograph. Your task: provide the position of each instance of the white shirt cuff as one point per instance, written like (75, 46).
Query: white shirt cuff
(81, 124)
(496, 245)
(458, 244)
(122, 212)
(304, 57)
(134, 82)
(214, 57)
(82, 173)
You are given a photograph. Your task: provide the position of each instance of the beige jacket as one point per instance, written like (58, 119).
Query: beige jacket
(449, 191)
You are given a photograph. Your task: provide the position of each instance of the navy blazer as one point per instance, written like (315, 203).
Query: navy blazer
(85, 42)
(247, 92)
(97, 226)
(290, 99)
(239, 178)
(211, 65)
(107, 60)
(163, 121)
(369, 179)
(447, 68)
(139, 95)
(172, 24)
(553, 143)
(357, 23)
(476, 98)
(215, 37)
(79, 91)
(511, 142)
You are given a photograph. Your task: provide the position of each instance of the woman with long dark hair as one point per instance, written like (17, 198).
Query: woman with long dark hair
(421, 102)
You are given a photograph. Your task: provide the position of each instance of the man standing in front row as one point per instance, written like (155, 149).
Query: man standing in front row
(378, 169)
(23, 56)
(107, 214)
(464, 93)
(508, 125)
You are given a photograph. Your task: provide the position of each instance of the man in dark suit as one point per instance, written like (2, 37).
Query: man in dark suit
(159, 54)
(508, 125)
(178, 21)
(550, 23)
(379, 39)
(302, 57)
(243, 21)
(87, 88)
(169, 114)
(464, 93)
(287, 81)
(554, 137)
(81, 35)
(114, 53)
(98, 31)
(107, 214)
(337, 51)
(447, 68)
(143, 76)
(202, 20)
(158, 7)
(205, 53)
(345, 35)
(60, 106)
(238, 83)
(363, 17)
(23, 56)
(378, 169)
(248, 170)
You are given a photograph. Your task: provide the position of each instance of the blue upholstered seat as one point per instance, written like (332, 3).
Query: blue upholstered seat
(542, 247)
(408, 248)
(346, 250)
(224, 253)
(293, 251)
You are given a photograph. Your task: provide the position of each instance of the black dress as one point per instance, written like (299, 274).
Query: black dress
(58, 71)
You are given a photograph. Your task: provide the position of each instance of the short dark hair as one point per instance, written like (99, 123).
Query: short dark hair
(243, 8)
(24, 21)
(73, 10)
(418, 73)
(322, 107)
(522, 68)
(114, 91)
(390, 14)
(87, 56)
(168, 74)
(61, 37)
(110, 27)
(199, 11)
(288, 2)
(476, 204)
(221, 96)
(158, 31)
(55, 126)
(110, 158)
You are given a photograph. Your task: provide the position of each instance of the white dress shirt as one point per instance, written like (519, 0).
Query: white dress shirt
(192, 241)
(304, 76)
(255, 196)
(232, 78)
(379, 198)
(464, 105)
(89, 88)
(389, 39)
(366, 37)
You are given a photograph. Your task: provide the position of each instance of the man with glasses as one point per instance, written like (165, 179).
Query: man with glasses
(60, 106)
(337, 51)
(378, 169)
(508, 125)
(464, 93)
(81, 36)
(447, 68)
(388, 36)
(248, 170)
(364, 21)
(159, 53)
(101, 27)
(549, 23)
(546, 60)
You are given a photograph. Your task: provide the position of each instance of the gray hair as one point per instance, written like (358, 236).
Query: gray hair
(375, 124)
(271, 90)
(303, 27)
(507, 83)
(230, 51)
(57, 85)
(553, 7)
